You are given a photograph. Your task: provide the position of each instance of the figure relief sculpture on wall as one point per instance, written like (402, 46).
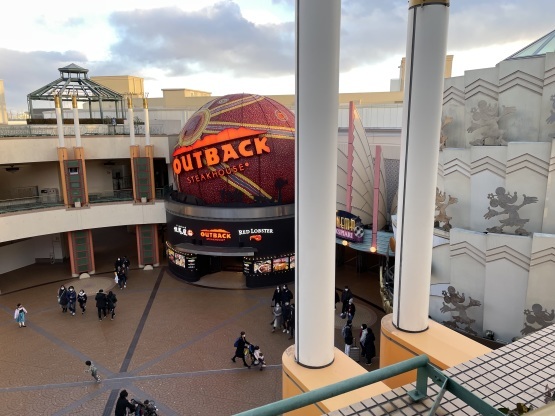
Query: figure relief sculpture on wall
(506, 202)
(537, 316)
(442, 202)
(551, 118)
(452, 297)
(442, 136)
(485, 121)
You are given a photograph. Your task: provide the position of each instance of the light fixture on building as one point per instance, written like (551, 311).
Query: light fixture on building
(12, 169)
(373, 249)
(345, 243)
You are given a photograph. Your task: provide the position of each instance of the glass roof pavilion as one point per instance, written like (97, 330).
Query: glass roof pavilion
(75, 83)
(539, 47)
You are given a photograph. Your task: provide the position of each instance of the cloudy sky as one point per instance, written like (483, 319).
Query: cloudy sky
(230, 46)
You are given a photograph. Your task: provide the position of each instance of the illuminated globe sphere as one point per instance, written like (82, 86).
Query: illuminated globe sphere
(238, 149)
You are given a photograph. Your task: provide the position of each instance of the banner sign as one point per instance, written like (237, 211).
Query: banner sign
(348, 227)
(268, 237)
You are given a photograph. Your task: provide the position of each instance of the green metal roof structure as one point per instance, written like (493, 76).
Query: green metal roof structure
(538, 48)
(74, 82)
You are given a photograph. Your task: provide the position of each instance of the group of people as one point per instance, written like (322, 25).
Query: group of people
(68, 299)
(105, 303)
(366, 339)
(121, 270)
(366, 336)
(348, 308)
(244, 349)
(284, 311)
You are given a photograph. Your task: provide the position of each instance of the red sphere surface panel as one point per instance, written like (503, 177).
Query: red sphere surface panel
(238, 149)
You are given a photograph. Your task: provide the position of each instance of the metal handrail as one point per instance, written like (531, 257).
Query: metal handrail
(424, 371)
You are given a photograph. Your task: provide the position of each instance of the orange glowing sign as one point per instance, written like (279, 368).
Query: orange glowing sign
(214, 149)
(215, 234)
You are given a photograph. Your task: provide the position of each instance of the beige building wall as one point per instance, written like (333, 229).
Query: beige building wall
(3, 109)
(124, 84)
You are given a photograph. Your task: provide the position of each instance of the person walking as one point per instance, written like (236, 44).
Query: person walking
(278, 317)
(286, 295)
(367, 339)
(71, 300)
(347, 333)
(82, 299)
(286, 312)
(93, 370)
(19, 315)
(346, 295)
(122, 277)
(241, 348)
(291, 325)
(62, 298)
(276, 298)
(101, 303)
(111, 301)
(123, 404)
(351, 309)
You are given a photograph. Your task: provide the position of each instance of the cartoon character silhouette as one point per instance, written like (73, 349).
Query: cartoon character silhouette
(485, 119)
(506, 202)
(441, 207)
(451, 296)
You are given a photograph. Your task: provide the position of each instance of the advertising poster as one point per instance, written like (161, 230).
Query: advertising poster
(280, 264)
(264, 266)
(292, 262)
(247, 266)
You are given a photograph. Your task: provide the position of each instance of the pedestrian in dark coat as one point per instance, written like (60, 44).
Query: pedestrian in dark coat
(351, 309)
(346, 295)
(62, 298)
(277, 297)
(71, 300)
(286, 295)
(347, 333)
(101, 303)
(82, 299)
(123, 404)
(111, 301)
(367, 339)
(241, 348)
(286, 317)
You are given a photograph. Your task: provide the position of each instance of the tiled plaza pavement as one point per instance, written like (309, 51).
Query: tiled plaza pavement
(170, 341)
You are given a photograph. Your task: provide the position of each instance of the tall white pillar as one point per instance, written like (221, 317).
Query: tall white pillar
(317, 86)
(131, 121)
(76, 122)
(147, 122)
(59, 123)
(425, 63)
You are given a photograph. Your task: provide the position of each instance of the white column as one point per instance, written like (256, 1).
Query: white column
(147, 123)
(317, 85)
(76, 122)
(425, 63)
(131, 121)
(61, 141)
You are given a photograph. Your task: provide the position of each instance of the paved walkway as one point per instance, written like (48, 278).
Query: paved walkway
(170, 341)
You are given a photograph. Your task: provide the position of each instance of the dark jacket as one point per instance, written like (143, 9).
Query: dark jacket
(286, 296)
(111, 300)
(63, 298)
(369, 346)
(71, 296)
(241, 344)
(348, 334)
(346, 295)
(123, 404)
(82, 298)
(101, 300)
(277, 297)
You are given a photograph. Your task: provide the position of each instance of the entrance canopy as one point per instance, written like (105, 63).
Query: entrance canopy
(75, 83)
